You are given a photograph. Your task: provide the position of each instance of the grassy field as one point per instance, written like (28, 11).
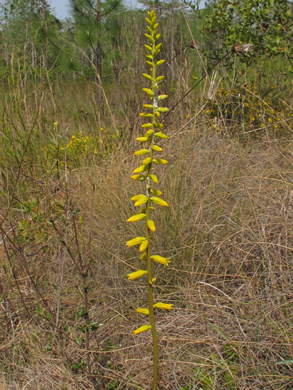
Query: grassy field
(67, 309)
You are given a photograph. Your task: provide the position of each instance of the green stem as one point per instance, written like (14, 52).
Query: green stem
(151, 306)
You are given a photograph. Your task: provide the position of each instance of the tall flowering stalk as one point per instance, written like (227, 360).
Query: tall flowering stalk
(145, 173)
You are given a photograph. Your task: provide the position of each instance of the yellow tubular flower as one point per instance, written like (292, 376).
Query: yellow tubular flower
(136, 274)
(164, 306)
(143, 245)
(136, 217)
(143, 328)
(135, 241)
(146, 312)
(162, 260)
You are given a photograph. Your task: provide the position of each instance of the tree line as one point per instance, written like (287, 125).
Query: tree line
(102, 39)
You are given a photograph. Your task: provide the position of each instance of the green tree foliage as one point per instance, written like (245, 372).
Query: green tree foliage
(267, 24)
(96, 28)
(27, 29)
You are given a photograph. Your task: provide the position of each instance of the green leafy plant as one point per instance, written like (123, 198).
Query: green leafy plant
(244, 106)
(145, 173)
(265, 24)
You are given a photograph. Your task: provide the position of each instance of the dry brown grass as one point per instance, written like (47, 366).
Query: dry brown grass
(228, 231)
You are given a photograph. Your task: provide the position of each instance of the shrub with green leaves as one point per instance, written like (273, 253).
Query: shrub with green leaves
(267, 24)
(245, 107)
(152, 196)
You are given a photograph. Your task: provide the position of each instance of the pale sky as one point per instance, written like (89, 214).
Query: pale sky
(62, 8)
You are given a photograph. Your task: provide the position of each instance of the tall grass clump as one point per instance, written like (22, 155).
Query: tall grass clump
(145, 173)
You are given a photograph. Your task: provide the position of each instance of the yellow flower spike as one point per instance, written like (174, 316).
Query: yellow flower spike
(162, 260)
(153, 133)
(135, 241)
(164, 306)
(136, 217)
(136, 274)
(143, 328)
(146, 312)
(143, 245)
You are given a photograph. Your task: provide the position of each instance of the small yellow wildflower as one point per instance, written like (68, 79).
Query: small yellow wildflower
(143, 328)
(164, 306)
(144, 311)
(143, 246)
(162, 260)
(136, 274)
(135, 241)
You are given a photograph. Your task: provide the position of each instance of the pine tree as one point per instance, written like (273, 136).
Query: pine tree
(91, 19)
